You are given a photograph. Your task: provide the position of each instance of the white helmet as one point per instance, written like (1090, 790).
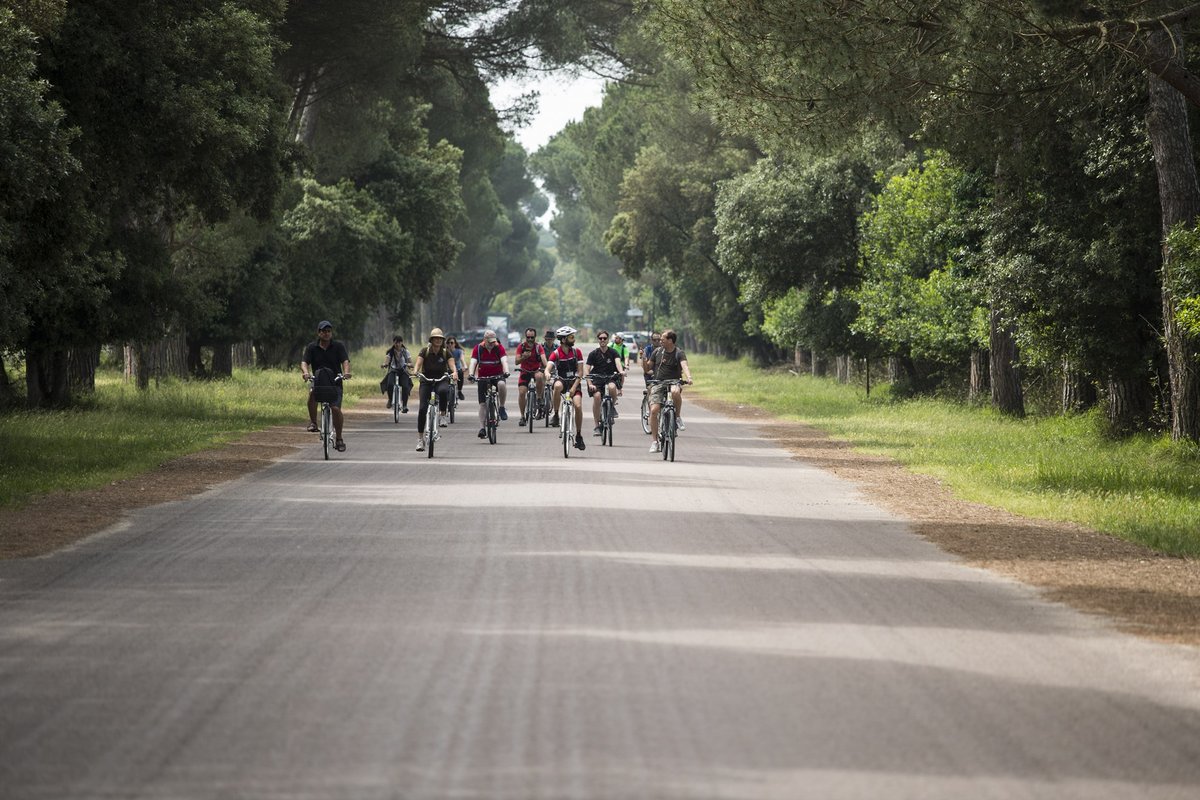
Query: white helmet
(565, 331)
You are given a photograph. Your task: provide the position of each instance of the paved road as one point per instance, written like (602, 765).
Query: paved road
(501, 623)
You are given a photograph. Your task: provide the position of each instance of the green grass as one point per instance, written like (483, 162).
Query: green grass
(1145, 489)
(121, 432)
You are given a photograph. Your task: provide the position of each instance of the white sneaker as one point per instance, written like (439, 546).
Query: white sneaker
(679, 426)
(442, 420)
(656, 447)
(421, 444)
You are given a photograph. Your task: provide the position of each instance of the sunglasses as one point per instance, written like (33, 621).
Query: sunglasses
(602, 338)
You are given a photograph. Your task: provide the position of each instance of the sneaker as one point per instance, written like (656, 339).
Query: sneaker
(389, 403)
(521, 422)
(554, 421)
(540, 414)
(483, 433)
(403, 409)
(461, 396)
(503, 414)
(579, 443)
(312, 428)
(679, 426)
(615, 414)
(596, 431)
(655, 448)
(340, 446)
(421, 444)
(442, 420)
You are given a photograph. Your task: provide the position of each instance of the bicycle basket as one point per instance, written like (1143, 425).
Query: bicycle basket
(325, 394)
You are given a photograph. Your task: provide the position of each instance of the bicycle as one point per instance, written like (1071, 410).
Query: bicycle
(492, 405)
(431, 414)
(668, 421)
(326, 396)
(535, 404)
(566, 419)
(547, 400)
(607, 407)
(646, 410)
(396, 394)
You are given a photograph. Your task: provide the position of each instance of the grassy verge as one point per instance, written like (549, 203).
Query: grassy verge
(1145, 489)
(121, 432)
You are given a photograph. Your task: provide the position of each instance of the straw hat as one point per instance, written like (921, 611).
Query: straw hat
(436, 333)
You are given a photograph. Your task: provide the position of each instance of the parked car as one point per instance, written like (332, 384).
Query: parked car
(514, 338)
(471, 337)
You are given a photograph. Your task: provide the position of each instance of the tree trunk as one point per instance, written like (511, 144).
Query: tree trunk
(979, 375)
(243, 355)
(803, 359)
(47, 377)
(195, 359)
(1179, 195)
(222, 363)
(1078, 391)
(820, 365)
(1130, 404)
(82, 365)
(843, 368)
(1007, 396)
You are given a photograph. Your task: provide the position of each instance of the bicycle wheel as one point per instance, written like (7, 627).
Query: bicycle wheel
(327, 428)
(547, 397)
(493, 417)
(646, 413)
(531, 406)
(606, 422)
(666, 423)
(396, 401)
(453, 404)
(674, 429)
(567, 423)
(431, 426)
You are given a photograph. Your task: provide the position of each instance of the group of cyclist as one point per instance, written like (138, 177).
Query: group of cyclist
(556, 361)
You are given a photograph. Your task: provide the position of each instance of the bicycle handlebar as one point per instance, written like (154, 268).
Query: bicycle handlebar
(671, 382)
(424, 379)
(492, 378)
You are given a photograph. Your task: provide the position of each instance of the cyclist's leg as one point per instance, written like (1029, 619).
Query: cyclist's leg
(596, 407)
(556, 397)
(312, 409)
(337, 413)
(502, 392)
(539, 381)
(424, 393)
(522, 390)
(444, 390)
(577, 399)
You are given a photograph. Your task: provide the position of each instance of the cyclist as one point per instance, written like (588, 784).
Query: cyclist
(667, 363)
(549, 342)
(434, 361)
(330, 355)
(618, 344)
(603, 362)
(530, 357)
(456, 350)
(398, 362)
(567, 359)
(489, 360)
(655, 341)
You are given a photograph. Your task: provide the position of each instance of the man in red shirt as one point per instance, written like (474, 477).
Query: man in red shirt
(531, 360)
(489, 360)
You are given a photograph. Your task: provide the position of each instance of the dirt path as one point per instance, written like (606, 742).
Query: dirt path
(1145, 592)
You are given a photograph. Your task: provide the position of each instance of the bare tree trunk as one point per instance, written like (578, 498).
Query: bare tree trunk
(304, 109)
(1007, 396)
(1078, 390)
(979, 375)
(820, 365)
(47, 377)
(222, 360)
(842, 365)
(243, 355)
(1130, 404)
(82, 365)
(1179, 195)
(803, 359)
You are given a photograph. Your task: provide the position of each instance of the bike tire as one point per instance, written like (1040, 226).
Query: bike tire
(531, 405)
(547, 398)
(396, 402)
(567, 425)
(431, 427)
(326, 428)
(671, 438)
(645, 413)
(606, 423)
(666, 422)
(453, 404)
(493, 419)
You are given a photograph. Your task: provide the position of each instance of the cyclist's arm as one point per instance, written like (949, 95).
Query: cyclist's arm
(346, 368)
(420, 364)
(687, 373)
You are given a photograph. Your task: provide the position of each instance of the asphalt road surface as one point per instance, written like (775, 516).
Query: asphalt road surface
(502, 623)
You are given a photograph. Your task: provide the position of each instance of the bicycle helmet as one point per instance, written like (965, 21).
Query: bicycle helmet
(565, 331)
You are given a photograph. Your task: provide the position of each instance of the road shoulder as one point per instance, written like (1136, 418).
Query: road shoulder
(1144, 592)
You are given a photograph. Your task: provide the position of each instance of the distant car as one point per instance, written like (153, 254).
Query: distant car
(471, 337)
(514, 338)
(633, 343)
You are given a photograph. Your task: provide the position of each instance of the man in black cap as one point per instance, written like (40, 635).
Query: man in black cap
(325, 353)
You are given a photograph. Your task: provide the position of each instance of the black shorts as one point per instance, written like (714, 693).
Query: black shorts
(526, 377)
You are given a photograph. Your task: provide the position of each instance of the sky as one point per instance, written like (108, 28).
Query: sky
(563, 99)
